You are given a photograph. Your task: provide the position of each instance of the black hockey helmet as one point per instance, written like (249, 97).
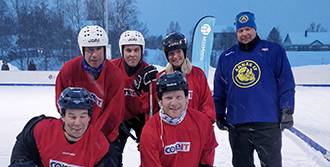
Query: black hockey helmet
(170, 82)
(75, 98)
(175, 41)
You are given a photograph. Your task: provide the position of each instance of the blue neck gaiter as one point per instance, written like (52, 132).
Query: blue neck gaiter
(94, 71)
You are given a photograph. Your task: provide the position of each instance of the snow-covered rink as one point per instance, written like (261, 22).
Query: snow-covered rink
(312, 116)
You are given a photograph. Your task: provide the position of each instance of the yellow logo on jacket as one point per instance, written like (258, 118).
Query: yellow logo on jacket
(246, 74)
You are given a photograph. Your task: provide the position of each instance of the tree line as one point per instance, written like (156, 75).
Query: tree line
(46, 31)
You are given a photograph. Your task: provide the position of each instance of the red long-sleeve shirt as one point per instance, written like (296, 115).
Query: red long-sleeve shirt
(190, 143)
(200, 96)
(135, 105)
(55, 150)
(107, 92)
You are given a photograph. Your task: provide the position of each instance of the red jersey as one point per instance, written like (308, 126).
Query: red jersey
(135, 105)
(107, 92)
(200, 96)
(190, 143)
(55, 150)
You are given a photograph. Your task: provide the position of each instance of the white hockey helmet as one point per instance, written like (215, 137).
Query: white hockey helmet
(92, 35)
(131, 37)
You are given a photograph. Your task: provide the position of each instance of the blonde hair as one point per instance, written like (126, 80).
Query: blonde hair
(185, 67)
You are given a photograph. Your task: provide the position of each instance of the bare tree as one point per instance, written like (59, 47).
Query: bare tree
(173, 27)
(95, 11)
(7, 28)
(316, 27)
(74, 14)
(123, 16)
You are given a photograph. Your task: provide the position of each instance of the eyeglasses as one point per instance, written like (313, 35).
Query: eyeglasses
(92, 49)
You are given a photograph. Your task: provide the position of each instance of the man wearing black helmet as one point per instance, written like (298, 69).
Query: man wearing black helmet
(177, 135)
(68, 141)
(200, 97)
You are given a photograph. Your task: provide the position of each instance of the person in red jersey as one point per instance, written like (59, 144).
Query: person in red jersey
(200, 97)
(177, 135)
(131, 45)
(68, 141)
(99, 76)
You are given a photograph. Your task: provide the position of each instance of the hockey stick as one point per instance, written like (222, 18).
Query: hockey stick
(311, 143)
(123, 127)
(150, 100)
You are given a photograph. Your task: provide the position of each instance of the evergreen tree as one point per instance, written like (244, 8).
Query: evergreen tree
(274, 36)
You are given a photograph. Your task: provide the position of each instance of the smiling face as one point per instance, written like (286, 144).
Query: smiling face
(176, 57)
(76, 122)
(94, 56)
(132, 54)
(246, 34)
(174, 103)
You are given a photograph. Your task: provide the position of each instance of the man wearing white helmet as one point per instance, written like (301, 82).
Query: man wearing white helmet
(131, 45)
(99, 76)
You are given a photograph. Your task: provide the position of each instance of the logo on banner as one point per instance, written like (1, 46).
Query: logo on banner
(205, 29)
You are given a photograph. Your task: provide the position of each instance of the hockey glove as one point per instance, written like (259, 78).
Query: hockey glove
(222, 123)
(149, 74)
(286, 119)
(138, 85)
(144, 78)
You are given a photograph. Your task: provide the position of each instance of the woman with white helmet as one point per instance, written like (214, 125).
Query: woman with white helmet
(103, 79)
(131, 46)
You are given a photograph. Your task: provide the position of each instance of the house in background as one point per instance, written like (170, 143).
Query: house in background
(307, 41)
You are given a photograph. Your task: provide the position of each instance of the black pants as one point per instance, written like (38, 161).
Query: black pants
(136, 124)
(265, 138)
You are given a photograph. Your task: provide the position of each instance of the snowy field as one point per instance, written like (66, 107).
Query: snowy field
(312, 116)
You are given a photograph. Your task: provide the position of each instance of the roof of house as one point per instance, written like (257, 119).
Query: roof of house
(311, 37)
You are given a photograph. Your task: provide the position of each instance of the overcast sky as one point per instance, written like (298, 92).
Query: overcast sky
(287, 15)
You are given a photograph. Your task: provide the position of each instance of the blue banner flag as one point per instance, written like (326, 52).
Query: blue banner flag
(202, 43)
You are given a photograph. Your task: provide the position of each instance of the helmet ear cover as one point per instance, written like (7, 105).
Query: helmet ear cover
(170, 82)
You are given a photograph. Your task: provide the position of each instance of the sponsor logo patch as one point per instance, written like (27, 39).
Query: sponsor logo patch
(177, 147)
(129, 92)
(98, 101)
(56, 163)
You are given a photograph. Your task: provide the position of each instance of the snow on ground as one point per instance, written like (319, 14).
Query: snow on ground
(20, 103)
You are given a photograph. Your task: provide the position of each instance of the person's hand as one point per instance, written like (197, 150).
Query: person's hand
(144, 78)
(222, 123)
(286, 119)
